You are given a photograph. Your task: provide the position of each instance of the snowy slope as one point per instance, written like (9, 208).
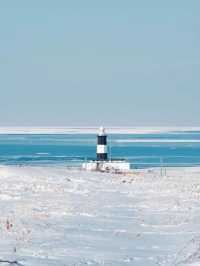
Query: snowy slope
(54, 216)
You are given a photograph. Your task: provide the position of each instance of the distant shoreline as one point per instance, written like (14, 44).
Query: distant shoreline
(94, 130)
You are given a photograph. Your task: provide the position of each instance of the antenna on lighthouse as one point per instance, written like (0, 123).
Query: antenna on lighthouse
(102, 154)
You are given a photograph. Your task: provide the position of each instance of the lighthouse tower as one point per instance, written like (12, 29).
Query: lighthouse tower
(102, 154)
(102, 163)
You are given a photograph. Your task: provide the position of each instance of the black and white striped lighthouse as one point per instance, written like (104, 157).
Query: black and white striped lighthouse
(103, 163)
(102, 154)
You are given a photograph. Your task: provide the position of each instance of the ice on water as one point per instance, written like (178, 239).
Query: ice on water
(54, 216)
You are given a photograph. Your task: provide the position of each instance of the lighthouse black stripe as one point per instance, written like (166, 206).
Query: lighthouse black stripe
(102, 140)
(102, 156)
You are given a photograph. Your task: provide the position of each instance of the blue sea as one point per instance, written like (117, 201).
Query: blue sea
(142, 150)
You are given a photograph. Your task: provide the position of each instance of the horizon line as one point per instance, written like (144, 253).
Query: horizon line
(94, 129)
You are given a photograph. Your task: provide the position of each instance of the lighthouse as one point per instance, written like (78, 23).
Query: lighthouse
(102, 153)
(102, 163)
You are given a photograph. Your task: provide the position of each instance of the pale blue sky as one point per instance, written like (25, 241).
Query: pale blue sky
(116, 63)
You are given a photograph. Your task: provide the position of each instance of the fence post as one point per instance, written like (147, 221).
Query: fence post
(161, 165)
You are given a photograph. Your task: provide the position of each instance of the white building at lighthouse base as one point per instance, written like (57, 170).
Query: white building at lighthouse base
(107, 166)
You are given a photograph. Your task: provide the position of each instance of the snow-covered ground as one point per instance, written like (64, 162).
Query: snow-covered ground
(55, 216)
